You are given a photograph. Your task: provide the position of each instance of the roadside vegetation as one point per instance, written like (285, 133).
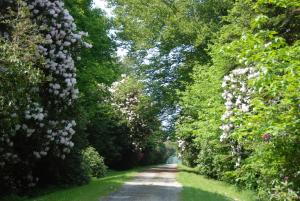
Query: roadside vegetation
(198, 187)
(69, 108)
(228, 71)
(93, 191)
(218, 78)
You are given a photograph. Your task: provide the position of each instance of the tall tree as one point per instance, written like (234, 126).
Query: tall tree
(166, 40)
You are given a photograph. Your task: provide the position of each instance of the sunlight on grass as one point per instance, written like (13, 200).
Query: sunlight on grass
(197, 187)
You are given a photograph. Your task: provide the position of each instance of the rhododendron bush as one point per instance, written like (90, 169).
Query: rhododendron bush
(38, 39)
(220, 77)
(268, 132)
(241, 114)
(237, 95)
(129, 97)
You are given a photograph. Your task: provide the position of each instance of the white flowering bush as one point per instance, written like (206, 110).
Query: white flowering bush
(181, 145)
(129, 102)
(128, 96)
(267, 131)
(187, 151)
(19, 79)
(237, 96)
(40, 78)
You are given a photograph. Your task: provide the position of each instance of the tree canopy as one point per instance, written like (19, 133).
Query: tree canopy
(218, 77)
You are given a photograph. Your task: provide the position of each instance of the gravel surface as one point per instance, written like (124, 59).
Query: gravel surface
(154, 184)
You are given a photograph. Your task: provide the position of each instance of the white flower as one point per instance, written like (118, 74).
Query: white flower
(40, 116)
(245, 108)
(223, 137)
(37, 154)
(17, 127)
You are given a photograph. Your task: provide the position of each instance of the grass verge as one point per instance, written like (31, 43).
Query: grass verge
(197, 187)
(93, 191)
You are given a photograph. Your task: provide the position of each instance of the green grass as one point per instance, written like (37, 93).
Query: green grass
(199, 188)
(91, 192)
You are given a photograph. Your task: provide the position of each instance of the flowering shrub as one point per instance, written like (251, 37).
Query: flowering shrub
(59, 31)
(127, 104)
(268, 131)
(256, 61)
(41, 87)
(128, 97)
(237, 95)
(18, 89)
(275, 104)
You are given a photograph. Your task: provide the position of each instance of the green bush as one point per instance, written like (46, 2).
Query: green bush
(94, 162)
(262, 150)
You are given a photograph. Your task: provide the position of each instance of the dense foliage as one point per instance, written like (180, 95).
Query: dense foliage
(221, 77)
(235, 66)
(50, 134)
(94, 162)
(109, 128)
(255, 68)
(38, 38)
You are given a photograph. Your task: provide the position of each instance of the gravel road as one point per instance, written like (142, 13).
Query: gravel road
(154, 184)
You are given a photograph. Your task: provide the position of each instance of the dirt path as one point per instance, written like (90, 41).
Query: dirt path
(154, 184)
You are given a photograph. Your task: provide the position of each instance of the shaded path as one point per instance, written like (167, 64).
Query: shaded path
(154, 184)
